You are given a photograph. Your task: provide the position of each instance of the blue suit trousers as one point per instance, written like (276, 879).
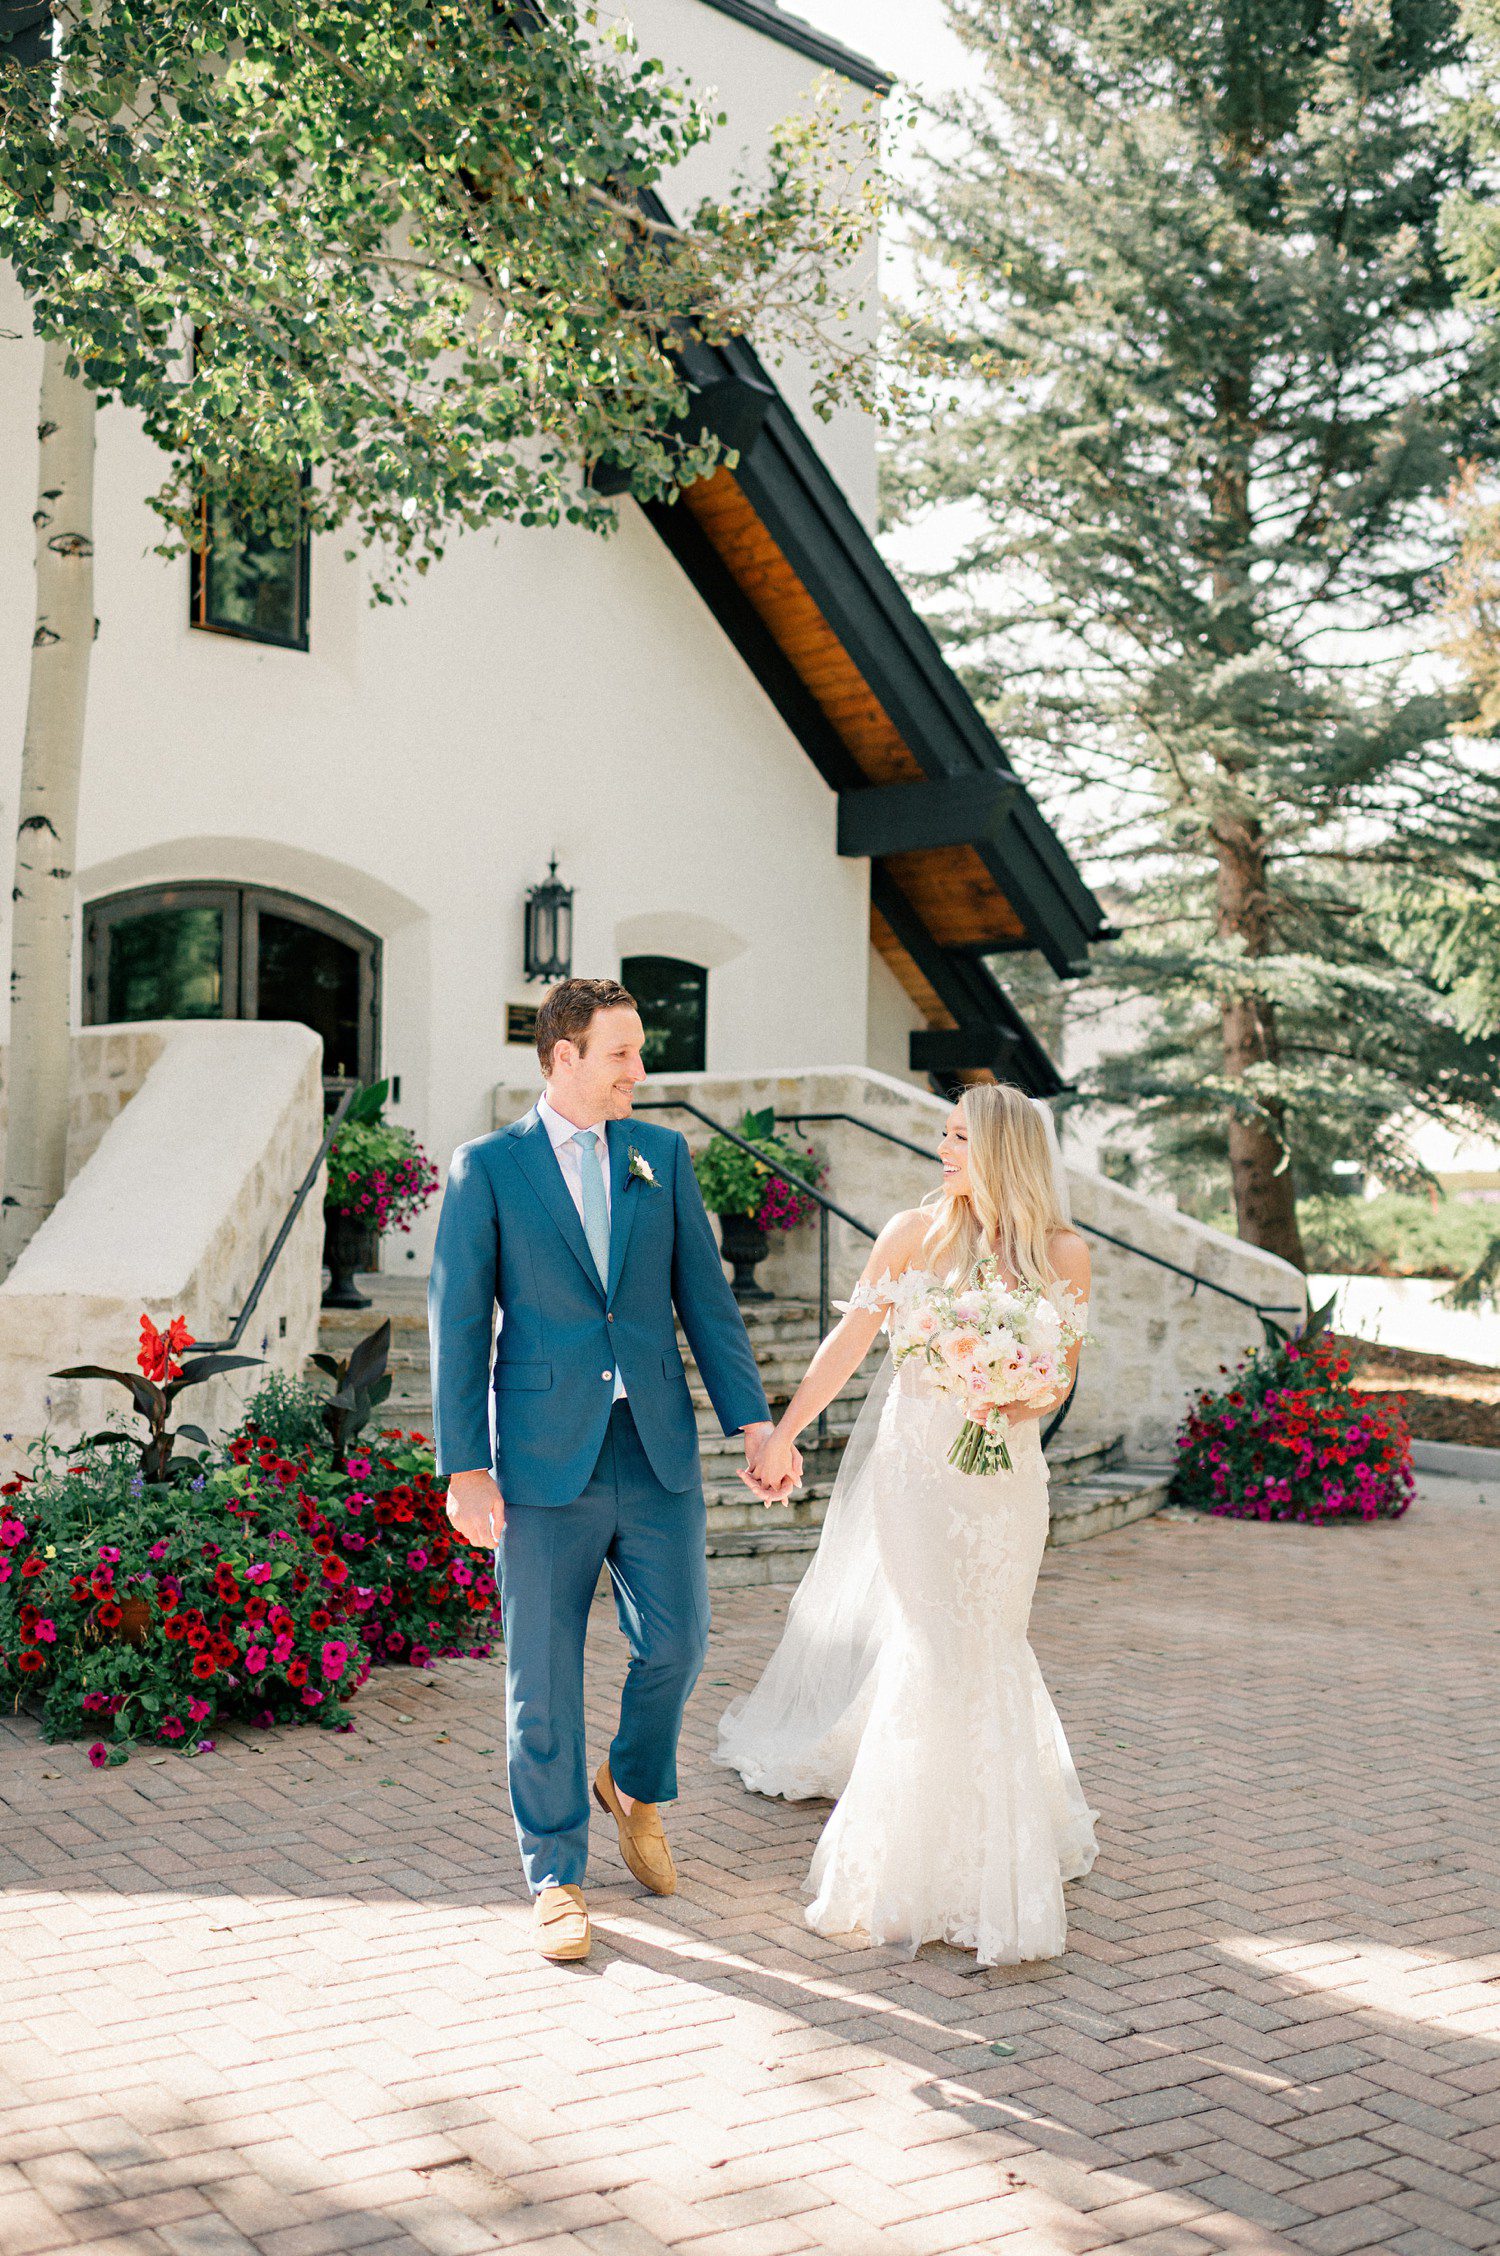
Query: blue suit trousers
(547, 1565)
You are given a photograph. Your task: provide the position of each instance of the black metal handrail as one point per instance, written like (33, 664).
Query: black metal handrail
(289, 1223)
(1090, 1229)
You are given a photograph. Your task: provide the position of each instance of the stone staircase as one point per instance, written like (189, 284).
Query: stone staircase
(749, 1542)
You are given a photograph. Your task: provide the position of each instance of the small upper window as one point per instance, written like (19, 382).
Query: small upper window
(673, 1000)
(245, 583)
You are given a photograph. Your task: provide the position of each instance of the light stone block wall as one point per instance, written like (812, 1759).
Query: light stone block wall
(173, 1213)
(1161, 1336)
(109, 1063)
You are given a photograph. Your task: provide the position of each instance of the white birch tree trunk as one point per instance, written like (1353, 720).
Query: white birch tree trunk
(47, 814)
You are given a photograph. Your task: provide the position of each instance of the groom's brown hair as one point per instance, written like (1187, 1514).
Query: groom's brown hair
(569, 1011)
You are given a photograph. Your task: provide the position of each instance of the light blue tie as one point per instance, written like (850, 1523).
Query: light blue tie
(595, 1205)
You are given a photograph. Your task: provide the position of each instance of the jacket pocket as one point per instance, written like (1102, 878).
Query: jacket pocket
(533, 1378)
(674, 1367)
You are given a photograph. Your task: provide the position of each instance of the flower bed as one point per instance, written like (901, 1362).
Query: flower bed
(751, 1183)
(1290, 1439)
(261, 1584)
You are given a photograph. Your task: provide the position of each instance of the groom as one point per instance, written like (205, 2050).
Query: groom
(584, 1231)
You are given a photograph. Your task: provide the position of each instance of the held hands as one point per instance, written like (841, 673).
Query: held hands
(476, 1510)
(773, 1464)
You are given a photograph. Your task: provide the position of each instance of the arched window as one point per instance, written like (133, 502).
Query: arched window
(235, 951)
(673, 1000)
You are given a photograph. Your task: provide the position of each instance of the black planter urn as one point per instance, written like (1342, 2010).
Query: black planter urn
(744, 1244)
(350, 1244)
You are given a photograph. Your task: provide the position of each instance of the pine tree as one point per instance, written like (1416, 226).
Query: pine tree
(1209, 383)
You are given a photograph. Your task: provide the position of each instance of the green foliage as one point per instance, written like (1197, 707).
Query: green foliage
(409, 239)
(735, 1181)
(289, 1410)
(1395, 1235)
(377, 1171)
(1205, 385)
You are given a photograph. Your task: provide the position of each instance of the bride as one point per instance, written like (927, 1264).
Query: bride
(903, 1684)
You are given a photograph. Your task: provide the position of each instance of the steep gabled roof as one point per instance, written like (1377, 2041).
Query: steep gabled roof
(791, 31)
(963, 863)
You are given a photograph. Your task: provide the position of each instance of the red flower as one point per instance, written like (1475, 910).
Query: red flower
(33, 1566)
(159, 1350)
(110, 1615)
(31, 1661)
(204, 1666)
(175, 1627)
(296, 1672)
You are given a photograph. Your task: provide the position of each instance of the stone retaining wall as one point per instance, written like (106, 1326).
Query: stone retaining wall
(109, 1063)
(173, 1212)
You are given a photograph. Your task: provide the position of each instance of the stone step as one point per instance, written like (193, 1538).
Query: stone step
(1112, 1498)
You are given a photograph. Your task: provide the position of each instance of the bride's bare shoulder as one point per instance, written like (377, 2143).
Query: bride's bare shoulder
(1068, 1252)
(901, 1240)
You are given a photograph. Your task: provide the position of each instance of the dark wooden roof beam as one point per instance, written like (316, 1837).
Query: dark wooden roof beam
(899, 818)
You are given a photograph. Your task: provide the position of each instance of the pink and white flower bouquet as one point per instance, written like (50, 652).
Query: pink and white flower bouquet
(986, 1345)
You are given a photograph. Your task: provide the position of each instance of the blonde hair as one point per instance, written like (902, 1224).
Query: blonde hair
(1011, 1208)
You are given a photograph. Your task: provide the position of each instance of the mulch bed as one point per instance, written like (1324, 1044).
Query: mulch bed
(1446, 1400)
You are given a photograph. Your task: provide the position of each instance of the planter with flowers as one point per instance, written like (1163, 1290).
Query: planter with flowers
(379, 1179)
(147, 1596)
(1288, 1438)
(752, 1193)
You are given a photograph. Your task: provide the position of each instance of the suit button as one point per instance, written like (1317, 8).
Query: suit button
(609, 1319)
(606, 1374)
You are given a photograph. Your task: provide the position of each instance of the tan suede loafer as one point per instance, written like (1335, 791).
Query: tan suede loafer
(560, 1922)
(643, 1844)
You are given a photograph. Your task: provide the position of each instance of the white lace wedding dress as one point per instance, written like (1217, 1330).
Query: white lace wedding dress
(905, 1687)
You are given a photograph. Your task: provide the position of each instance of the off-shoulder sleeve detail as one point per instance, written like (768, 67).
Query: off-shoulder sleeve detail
(875, 1298)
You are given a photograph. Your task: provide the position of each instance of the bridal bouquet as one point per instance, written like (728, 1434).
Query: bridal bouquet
(986, 1345)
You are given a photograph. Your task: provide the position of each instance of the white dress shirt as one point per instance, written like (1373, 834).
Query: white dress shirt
(560, 1134)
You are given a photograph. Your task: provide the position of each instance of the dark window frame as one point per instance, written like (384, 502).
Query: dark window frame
(678, 964)
(200, 575)
(240, 906)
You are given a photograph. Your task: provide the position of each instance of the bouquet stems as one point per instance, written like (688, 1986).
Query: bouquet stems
(977, 1450)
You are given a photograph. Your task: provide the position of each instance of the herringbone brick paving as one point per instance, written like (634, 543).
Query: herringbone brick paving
(282, 1999)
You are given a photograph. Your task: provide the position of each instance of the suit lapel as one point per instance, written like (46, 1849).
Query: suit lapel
(539, 1163)
(624, 1197)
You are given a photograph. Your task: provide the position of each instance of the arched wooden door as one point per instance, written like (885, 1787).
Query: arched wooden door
(236, 951)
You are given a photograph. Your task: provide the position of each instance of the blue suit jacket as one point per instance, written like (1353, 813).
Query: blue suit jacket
(510, 1235)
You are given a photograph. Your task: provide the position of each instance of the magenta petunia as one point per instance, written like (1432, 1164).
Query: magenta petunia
(98, 1754)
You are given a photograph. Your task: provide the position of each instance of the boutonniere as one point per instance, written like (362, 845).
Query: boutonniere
(642, 1169)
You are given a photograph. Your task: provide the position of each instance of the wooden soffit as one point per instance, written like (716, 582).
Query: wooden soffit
(950, 887)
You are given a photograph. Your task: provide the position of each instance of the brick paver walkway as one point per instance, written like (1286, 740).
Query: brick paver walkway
(282, 1998)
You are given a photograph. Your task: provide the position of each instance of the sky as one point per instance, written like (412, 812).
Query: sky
(909, 37)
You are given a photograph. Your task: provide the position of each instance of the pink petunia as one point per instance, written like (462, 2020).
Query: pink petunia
(12, 1532)
(311, 1697)
(98, 1754)
(260, 1572)
(170, 1727)
(335, 1657)
(255, 1659)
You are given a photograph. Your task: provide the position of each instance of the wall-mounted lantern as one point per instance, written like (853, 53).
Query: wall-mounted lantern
(549, 928)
